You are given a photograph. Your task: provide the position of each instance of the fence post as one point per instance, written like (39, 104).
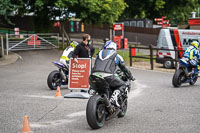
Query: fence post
(151, 56)
(34, 40)
(62, 31)
(2, 47)
(7, 47)
(130, 55)
(176, 58)
(58, 40)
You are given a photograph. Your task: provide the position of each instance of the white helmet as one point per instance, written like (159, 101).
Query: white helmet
(110, 45)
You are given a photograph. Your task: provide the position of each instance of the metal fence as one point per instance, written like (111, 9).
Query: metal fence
(31, 41)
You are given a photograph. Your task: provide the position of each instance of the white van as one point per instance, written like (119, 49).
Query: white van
(171, 39)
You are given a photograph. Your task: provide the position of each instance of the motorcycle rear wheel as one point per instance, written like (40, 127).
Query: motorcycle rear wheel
(95, 112)
(177, 78)
(54, 80)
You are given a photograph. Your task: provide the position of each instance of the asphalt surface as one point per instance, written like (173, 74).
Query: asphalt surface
(154, 105)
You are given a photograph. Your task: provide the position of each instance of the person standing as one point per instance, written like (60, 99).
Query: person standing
(84, 49)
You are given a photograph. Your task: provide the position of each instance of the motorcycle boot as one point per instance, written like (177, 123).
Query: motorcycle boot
(118, 93)
(198, 73)
(198, 70)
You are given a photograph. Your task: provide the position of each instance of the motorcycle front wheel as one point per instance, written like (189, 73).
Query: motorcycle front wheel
(123, 109)
(177, 78)
(194, 81)
(95, 112)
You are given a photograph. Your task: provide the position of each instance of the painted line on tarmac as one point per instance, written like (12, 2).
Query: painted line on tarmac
(46, 97)
(77, 114)
(138, 91)
(50, 123)
(20, 57)
(70, 118)
(151, 70)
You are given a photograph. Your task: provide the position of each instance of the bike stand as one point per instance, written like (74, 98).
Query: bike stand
(82, 95)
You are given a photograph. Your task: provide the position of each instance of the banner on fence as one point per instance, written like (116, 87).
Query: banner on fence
(33, 40)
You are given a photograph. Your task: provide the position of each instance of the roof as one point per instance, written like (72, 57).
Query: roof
(135, 19)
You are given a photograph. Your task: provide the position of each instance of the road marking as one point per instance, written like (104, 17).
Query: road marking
(143, 69)
(137, 92)
(48, 97)
(59, 122)
(76, 114)
(20, 57)
(51, 123)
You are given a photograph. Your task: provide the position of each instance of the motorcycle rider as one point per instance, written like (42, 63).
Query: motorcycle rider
(190, 54)
(67, 53)
(106, 64)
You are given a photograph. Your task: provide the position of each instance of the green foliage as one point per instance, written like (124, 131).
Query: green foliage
(90, 11)
(99, 11)
(7, 7)
(177, 11)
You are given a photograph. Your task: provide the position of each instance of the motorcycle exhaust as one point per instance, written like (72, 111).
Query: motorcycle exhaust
(63, 75)
(108, 104)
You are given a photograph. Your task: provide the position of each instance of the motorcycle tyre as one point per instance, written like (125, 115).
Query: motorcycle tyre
(194, 81)
(122, 113)
(50, 79)
(175, 80)
(91, 112)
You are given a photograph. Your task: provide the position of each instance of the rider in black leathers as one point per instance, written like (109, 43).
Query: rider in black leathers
(106, 64)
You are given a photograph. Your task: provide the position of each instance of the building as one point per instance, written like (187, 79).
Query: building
(194, 23)
(146, 23)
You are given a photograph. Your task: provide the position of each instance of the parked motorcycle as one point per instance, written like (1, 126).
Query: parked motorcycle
(58, 77)
(99, 108)
(186, 73)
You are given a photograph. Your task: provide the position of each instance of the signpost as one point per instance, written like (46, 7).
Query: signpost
(16, 31)
(164, 23)
(78, 77)
(119, 39)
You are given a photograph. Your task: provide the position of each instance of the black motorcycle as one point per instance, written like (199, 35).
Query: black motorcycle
(99, 108)
(186, 73)
(58, 77)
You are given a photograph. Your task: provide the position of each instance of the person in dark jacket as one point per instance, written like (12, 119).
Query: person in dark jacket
(106, 64)
(84, 49)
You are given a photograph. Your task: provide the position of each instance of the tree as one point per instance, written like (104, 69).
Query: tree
(143, 8)
(177, 11)
(10, 7)
(44, 11)
(95, 11)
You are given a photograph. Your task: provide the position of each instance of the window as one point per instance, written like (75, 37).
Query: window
(126, 23)
(140, 24)
(133, 23)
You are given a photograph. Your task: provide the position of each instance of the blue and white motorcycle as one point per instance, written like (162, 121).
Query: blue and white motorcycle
(187, 72)
(58, 77)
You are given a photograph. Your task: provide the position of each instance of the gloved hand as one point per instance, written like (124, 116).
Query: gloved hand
(132, 78)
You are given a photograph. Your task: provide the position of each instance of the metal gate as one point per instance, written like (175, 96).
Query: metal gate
(31, 41)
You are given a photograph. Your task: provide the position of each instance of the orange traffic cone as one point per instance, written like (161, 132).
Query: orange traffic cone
(58, 94)
(26, 127)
